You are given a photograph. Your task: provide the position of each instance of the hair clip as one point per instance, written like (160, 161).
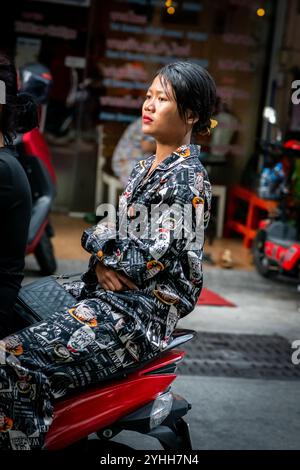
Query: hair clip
(213, 123)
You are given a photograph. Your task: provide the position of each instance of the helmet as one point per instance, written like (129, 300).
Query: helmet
(35, 79)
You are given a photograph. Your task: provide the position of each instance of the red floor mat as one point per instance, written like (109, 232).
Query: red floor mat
(208, 297)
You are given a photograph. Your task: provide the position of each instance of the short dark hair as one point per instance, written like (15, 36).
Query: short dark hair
(194, 90)
(19, 113)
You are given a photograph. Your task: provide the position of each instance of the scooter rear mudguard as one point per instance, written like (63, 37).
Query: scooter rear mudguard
(34, 144)
(78, 416)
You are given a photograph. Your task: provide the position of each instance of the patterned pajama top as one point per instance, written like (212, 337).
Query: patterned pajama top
(158, 240)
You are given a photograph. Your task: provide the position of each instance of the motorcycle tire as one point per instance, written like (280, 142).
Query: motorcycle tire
(259, 258)
(44, 255)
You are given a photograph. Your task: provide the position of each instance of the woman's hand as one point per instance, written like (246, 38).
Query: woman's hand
(110, 279)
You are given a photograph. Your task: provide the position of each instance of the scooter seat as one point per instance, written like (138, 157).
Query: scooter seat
(179, 336)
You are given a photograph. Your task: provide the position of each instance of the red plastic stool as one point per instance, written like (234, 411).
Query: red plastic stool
(256, 211)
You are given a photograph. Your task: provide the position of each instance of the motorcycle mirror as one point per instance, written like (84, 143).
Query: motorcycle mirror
(270, 115)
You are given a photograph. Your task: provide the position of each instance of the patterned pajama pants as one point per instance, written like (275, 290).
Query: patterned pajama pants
(75, 348)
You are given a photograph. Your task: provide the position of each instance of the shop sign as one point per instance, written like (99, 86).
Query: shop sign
(75, 62)
(78, 3)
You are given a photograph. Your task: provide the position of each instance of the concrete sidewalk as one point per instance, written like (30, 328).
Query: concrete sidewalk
(262, 306)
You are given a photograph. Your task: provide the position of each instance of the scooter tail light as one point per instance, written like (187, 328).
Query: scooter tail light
(161, 409)
(263, 224)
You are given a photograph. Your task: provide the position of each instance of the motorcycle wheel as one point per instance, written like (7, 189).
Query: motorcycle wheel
(44, 255)
(260, 260)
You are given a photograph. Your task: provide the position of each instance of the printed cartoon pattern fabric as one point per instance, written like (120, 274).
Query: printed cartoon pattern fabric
(105, 331)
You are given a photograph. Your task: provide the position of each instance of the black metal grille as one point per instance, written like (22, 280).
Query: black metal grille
(247, 356)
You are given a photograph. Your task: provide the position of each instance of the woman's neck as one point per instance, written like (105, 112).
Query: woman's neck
(163, 150)
(1, 140)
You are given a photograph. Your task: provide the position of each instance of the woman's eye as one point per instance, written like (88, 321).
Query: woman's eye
(147, 97)
(161, 98)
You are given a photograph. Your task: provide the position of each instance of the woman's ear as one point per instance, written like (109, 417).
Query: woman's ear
(191, 118)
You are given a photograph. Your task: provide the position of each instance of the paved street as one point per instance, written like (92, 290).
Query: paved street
(236, 412)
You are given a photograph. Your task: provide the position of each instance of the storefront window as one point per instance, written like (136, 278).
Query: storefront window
(102, 56)
(132, 39)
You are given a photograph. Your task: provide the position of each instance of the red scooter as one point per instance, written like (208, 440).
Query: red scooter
(276, 248)
(35, 157)
(138, 400)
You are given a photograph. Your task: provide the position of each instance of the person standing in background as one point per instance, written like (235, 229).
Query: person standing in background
(132, 147)
(18, 113)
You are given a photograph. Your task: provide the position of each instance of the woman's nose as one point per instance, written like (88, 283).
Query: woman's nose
(149, 105)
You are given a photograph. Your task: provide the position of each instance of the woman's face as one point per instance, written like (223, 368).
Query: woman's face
(160, 117)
